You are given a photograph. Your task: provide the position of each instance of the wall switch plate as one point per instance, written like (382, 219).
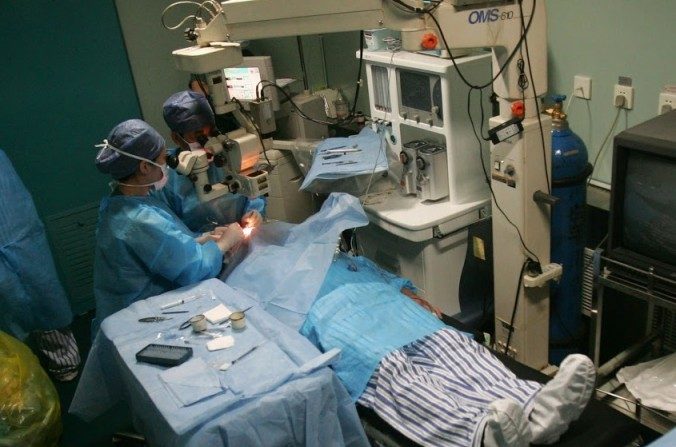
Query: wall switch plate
(627, 93)
(582, 86)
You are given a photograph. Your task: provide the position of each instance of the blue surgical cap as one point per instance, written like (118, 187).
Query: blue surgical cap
(135, 137)
(187, 111)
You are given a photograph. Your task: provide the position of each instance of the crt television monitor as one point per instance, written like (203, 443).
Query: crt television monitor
(643, 197)
(243, 80)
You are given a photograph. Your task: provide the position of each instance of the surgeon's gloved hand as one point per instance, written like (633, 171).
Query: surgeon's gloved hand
(206, 237)
(230, 236)
(252, 219)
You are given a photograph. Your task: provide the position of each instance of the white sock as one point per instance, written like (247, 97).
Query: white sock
(506, 425)
(563, 399)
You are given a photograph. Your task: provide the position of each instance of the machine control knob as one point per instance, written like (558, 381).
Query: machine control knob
(404, 115)
(219, 160)
(430, 121)
(207, 188)
(228, 178)
(190, 34)
(416, 118)
(420, 163)
(172, 161)
(404, 158)
(509, 170)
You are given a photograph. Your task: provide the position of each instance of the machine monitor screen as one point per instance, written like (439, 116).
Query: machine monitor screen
(415, 90)
(649, 208)
(242, 82)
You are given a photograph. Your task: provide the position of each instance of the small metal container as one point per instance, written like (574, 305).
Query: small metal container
(238, 320)
(198, 323)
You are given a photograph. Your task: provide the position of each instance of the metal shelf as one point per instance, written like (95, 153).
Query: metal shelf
(639, 283)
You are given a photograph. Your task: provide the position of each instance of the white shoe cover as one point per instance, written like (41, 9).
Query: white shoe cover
(506, 425)
(563, 399)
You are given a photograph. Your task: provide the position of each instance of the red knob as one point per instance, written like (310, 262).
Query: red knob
(429, 41)
(518, 109)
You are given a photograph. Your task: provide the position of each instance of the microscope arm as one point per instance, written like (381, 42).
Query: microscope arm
(497, 26)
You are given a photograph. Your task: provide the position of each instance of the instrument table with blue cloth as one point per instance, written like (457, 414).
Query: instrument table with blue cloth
(281, 393)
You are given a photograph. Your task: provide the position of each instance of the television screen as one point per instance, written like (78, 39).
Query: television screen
(649, 209)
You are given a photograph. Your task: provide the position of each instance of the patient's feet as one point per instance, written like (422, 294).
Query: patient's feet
(506, 425)
(562, 399)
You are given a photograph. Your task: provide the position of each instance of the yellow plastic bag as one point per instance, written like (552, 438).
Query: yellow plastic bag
(30, 413)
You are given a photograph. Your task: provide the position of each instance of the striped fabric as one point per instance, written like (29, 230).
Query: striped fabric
(60, 351)
(436, 390)
(357, 318)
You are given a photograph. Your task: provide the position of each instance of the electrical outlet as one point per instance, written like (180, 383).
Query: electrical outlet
(627, 93)
(582, 86)
(667, 102)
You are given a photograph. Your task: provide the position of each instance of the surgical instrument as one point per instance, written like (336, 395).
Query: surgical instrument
(185, 324)
(176, 312)
(227, 365)
(341, 151)
(240, 311)
(152, 319)
(340, 163)
(178, 302)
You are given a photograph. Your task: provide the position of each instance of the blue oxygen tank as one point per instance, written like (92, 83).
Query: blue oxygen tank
(570, 169)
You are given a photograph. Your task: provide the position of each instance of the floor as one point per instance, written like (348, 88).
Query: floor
(77, 433)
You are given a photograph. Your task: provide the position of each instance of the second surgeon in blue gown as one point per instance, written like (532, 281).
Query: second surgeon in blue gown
(191, 120)
(142, 248)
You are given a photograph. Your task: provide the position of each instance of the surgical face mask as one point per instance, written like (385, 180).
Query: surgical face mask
(165, 177)
(157, 185)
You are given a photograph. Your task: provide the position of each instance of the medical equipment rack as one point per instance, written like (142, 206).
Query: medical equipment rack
(658, 292)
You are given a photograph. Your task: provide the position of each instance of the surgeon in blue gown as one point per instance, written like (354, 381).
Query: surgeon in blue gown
(32, 300)
(191, 121)
(142, 247)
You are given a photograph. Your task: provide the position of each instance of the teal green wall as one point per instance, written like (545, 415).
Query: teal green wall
(605, 39)
(65, 83)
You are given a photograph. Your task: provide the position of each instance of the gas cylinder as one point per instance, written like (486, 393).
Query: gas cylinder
(570, 169)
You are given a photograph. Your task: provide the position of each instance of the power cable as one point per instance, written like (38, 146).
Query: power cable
(488, 181)
(605, 140)
(258, 131)
(535, 95)
(510, 329)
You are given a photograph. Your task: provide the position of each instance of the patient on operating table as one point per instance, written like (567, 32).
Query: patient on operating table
(431, 382)
(434, 384)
